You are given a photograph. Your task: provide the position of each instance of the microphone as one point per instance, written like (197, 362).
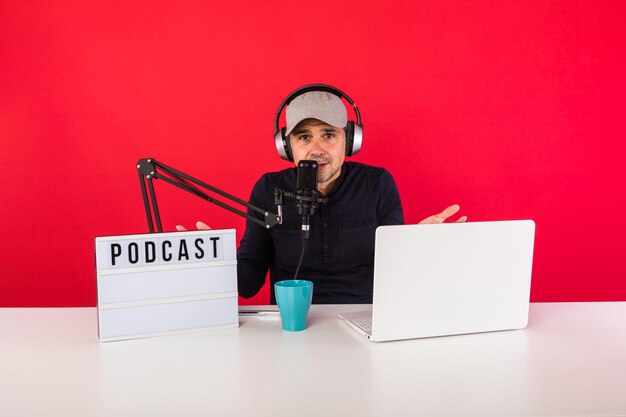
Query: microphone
(307, 196)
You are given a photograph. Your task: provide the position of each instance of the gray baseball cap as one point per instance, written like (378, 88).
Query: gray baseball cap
(318, 105)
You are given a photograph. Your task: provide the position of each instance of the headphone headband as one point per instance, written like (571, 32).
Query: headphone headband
(314, 87)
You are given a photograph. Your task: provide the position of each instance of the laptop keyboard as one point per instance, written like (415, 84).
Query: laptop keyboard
(364, 324)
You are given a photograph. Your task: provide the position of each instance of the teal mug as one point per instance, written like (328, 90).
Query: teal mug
(293, 297)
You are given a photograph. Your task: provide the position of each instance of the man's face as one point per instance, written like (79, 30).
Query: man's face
(326, 144)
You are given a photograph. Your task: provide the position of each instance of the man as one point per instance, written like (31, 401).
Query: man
(339, 256)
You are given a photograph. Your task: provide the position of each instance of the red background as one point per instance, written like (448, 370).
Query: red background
(513, 109)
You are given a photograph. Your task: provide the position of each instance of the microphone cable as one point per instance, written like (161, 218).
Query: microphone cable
(304, 239)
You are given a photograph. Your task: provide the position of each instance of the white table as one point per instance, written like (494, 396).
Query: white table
(571, 360)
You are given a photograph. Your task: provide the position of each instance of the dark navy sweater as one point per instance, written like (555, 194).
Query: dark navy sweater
(339, 257)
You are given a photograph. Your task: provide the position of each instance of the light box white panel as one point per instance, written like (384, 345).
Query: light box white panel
(152, 320)
(161, 283)
(138, 286)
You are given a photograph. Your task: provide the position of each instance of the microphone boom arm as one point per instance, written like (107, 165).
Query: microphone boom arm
(149, 169)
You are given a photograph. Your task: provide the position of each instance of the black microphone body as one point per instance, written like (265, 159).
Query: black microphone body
(307, 196)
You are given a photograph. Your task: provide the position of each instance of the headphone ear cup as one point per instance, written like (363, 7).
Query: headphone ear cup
(357, 138)
(287, 145)
(349, 129)
(282, 145)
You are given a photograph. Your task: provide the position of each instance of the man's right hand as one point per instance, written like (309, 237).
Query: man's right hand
(199, 225)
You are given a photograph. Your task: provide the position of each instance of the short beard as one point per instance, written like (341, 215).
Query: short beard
(323, 177)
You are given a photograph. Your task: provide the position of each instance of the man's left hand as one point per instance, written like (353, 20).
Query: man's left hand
(441, 217)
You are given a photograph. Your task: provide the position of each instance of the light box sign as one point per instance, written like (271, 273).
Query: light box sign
(156, 284)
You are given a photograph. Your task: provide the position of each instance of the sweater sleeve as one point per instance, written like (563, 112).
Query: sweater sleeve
(389, 204)
(255, 249)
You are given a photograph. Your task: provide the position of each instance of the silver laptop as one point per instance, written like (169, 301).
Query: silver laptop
(448, 279)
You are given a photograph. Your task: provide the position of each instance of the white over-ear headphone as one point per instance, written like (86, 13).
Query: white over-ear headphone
(354, 130)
